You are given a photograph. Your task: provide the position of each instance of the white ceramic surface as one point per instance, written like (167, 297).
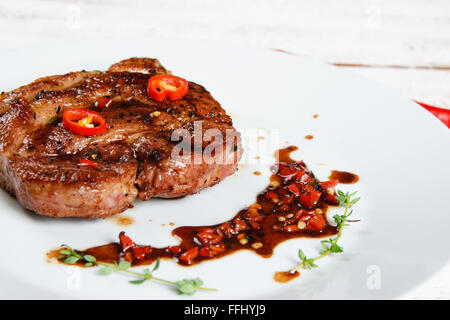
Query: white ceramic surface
(399, 150)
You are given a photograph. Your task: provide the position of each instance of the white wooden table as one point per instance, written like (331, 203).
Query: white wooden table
(404, 44)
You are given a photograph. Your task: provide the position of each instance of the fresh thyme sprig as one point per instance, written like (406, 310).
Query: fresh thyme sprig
(185, 286)
(331, 245)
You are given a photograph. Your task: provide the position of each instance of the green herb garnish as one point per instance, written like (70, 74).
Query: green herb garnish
(185, 286)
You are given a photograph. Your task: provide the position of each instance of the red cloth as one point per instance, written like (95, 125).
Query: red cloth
(441, 114)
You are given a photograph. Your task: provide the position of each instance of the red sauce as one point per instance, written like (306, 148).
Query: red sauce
(292, 206)
(309, 137)
(344, 177)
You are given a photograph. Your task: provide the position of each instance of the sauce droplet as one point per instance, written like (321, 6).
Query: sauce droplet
(124, 221)
(309, 137)
(344, 177)
(285, 276)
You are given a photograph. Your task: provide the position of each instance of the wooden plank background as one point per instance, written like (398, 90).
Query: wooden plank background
(404, 44)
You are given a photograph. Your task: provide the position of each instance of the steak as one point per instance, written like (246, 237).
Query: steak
(149, 149)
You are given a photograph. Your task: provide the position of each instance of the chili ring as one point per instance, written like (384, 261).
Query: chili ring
(84, 122)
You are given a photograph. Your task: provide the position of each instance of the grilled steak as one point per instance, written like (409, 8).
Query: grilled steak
(39, 157)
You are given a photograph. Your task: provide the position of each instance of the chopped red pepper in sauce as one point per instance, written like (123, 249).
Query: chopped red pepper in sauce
(87, 163)
(292, 206)
(130, 250)
(104, 103)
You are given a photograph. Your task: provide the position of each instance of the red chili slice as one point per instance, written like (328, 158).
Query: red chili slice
(205, 252)
(302, 215)
(311, 199)
(239, 225)
(216, 249)
(286, 172)
(189, 256)
(208, 230)
(125, 242)
(329, 192)
(331, 198)
(139, 253)
(128, 256)
(104, 103)
(287, 199)
(304, 178)
(300, 164)
(174, 249)
(73, 117)
(293, 187)
(300, 174)
(329, 184)
(164, 86)
(315, 223)
(131, 250)
(208, 238)
(292, 228)
(87, 163)
(271, 195)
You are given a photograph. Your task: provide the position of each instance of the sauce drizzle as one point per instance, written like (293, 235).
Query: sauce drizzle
(293, 205)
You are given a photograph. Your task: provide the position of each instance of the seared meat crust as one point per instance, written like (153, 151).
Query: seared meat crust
(38, 156)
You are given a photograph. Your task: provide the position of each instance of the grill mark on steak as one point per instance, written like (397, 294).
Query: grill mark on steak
(38, 160)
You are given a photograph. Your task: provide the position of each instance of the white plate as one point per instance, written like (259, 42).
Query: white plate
(401, 152)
